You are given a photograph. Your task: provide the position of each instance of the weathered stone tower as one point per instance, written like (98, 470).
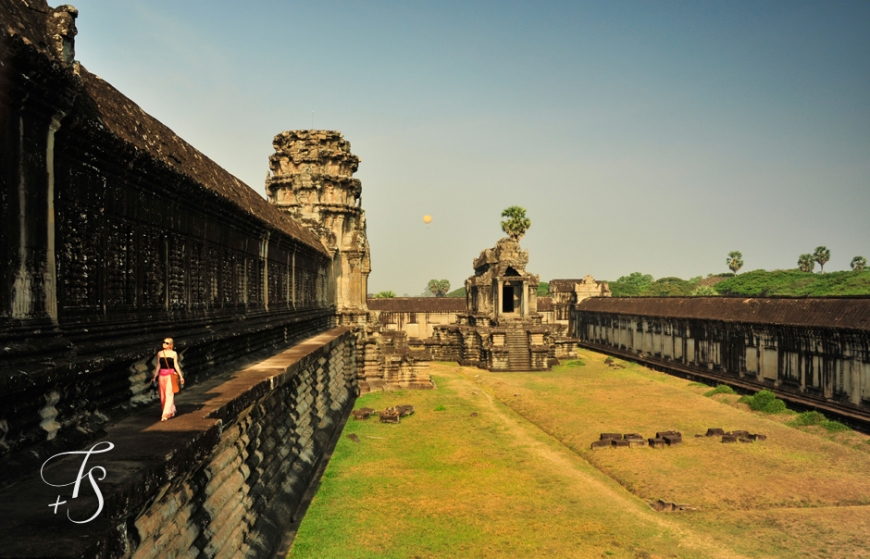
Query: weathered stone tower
(311, 178)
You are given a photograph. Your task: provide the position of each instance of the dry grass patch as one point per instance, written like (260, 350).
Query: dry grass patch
(483, 479)
(449, 484)
(792, 468)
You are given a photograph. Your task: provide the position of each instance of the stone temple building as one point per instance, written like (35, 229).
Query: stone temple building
(311, 180)
(502, 329)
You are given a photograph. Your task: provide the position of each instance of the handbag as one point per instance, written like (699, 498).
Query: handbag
(174, 378)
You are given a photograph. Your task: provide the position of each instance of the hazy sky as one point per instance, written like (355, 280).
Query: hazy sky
(640, 136)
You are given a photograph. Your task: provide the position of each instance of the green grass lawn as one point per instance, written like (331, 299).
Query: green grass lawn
(504, 469)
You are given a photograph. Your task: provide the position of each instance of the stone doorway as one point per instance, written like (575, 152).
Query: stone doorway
(507, 298)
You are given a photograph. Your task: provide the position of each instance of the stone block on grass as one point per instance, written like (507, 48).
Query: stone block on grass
(389, 415)
(738, 433)
(405, 410)
(661, 434)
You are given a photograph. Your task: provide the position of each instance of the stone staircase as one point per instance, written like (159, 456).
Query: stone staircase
(517, 342)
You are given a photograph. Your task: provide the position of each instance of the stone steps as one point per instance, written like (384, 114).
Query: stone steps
(517, 342)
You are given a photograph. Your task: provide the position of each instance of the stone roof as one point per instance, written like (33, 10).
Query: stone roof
(49, 32)
(562, 285)
(418, 304)
(126, 120)
(38, 25)
(545, 304)
(851, 313)
(567, 285)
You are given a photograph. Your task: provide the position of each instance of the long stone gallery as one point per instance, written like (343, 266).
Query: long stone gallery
(115, 231)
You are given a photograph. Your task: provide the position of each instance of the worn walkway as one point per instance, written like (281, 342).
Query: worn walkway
(147, 454)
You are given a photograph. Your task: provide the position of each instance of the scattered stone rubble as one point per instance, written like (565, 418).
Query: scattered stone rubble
(671, 438)
(389, 415)
(666, 506)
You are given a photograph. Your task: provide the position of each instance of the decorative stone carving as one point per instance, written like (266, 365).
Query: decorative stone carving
(501, 329)
(311, 179)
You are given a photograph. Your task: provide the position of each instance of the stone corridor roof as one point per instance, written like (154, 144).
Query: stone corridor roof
(851, 313)
(418, 304)
(38, 27)
(126, 120)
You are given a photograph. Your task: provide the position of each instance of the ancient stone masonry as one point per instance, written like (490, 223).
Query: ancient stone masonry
(501, 329)
(114, 233)
(568, 292)
(224, 479)
(310, 178)
(814, 352)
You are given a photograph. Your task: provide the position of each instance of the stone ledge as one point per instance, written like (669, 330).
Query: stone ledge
(146, 461)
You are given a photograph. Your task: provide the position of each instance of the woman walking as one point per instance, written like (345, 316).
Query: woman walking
(167, 366)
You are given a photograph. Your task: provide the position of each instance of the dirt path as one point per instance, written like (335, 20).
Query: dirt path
(543, 447)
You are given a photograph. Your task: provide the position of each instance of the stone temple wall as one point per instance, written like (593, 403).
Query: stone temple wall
(814, 352)
(115, 233)
(222, 480)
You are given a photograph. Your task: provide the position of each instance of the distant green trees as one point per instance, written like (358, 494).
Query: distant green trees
(704, 291)
(385, 295)
(806, 263)
(858, 263)
(438, 288)
(734, 260)
(822, 255)
(794, 283)
(635, 284)
(516, 223)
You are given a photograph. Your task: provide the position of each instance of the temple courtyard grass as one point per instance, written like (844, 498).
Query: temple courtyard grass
(500, 465)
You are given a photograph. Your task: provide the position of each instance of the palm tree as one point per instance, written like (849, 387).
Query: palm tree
(859, 263)
(438, 288)
(806, 263)
(516, 223)
(822, 255)
(734, 260)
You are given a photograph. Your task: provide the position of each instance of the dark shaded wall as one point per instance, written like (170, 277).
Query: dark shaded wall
(115, 233)
(812, 351)
(223, 480)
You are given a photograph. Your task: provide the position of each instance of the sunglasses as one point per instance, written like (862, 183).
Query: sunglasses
(166, 343)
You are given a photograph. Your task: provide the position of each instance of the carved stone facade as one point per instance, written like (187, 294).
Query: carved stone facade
(311, 178)
(811, 351)
(502, 329)
(568, 292)
(115, 233)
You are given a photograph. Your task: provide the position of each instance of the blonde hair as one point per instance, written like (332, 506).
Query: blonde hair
(171, 343)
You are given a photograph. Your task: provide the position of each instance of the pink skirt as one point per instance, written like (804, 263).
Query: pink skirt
(167, 398)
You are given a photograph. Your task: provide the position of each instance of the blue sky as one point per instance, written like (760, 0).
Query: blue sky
(640, 136)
